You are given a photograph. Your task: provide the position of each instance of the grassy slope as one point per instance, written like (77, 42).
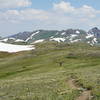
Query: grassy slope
(37, 75)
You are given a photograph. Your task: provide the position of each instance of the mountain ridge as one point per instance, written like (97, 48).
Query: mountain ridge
(91, 37)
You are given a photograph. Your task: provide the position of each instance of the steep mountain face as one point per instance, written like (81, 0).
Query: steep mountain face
(70, 36)
(21, 35)
(95, 31)
(95, 34)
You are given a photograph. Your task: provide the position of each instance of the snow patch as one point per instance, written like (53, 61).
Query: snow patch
(77, 32)
(75, 40)
(58, 39)
(19, 40)
(5, 40)
(38, 41)
(89, 36)
(12, 38)
(94, 41)
(32, 36)
(5, 47)
(63, 33)
(51, 36)
(73, 35)
(88, 42)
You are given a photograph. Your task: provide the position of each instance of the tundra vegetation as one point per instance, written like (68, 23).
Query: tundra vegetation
(43, 73)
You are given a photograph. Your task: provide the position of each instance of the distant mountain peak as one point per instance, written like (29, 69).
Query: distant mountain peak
(95, 28)
(91, 37)
(95, 31)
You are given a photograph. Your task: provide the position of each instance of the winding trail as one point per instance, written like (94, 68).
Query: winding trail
(85, 95)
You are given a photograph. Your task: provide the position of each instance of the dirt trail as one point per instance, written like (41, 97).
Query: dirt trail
(85, 95)
(72, 84)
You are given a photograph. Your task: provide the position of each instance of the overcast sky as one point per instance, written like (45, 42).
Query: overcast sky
(27, 15)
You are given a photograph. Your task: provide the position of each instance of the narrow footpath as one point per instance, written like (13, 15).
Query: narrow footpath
(85, 95)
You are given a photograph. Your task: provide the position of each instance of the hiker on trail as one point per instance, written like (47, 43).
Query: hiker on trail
(60, 63)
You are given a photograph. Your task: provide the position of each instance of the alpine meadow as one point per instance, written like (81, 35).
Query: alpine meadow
(49, 50)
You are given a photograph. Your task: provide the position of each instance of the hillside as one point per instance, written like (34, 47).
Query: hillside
(45, 73)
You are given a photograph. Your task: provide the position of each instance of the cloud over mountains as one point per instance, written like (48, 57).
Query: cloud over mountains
(61, 15)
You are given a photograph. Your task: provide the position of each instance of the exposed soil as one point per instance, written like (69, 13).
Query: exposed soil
(71, 84)
(85, 95)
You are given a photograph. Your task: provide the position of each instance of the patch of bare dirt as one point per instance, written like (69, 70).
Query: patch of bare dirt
(85, 95)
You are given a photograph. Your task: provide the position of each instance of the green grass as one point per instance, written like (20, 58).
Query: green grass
(37, 75)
